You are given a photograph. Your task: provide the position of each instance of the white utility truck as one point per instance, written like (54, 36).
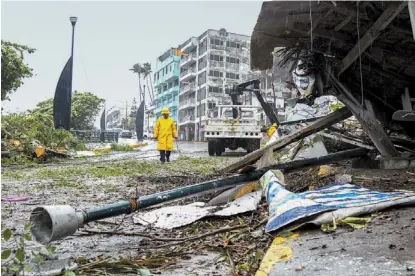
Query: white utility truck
(224, 131)
(238, 126)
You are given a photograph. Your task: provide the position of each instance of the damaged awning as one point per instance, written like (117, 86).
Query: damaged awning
(281, 24)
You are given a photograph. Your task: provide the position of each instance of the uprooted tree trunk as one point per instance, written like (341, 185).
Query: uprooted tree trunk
(367, 119)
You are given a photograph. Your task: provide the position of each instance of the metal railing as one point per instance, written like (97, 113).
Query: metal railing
(216, 64)
(188, 118)
(96, 135)
(188, 71)
(187, 87)
(187, 58)
(188, 102)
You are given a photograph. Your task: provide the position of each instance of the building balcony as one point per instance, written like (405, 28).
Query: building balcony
(190, 103)
(172, 105)
(188, 61)
(188, 74)
(217, 47)
(191, 87)
(216, 64)
(232, 67)
(215, 95)
(189, 119)
(189, 45)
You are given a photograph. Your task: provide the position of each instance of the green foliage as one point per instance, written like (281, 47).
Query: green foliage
(84, 110)
(334, 107)
(13, 254)
(35, 126)
(13, 69)
(117, 147)
(16, 256)
(131, 124)
(134, 108)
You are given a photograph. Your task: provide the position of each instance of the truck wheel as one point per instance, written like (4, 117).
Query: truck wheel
(257, 145)
(211, 148)
(218, 150)
(253, 146)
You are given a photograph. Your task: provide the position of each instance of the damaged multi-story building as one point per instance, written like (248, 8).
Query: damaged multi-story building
(198, 77)
(215, 61)
(166, 83)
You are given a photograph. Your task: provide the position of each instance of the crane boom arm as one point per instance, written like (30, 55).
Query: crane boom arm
(270, 110)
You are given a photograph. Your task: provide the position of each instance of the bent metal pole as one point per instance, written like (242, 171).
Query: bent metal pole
(51, 223)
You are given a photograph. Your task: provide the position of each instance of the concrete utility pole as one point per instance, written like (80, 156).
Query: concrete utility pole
(73, 20)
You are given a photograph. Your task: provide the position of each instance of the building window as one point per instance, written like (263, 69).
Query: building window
(202, 78)
(232, 76)
(214, 73)
(232, 60)
(170, 68)
(176, 82)
(215, 89)
(216, 41)
(211, 105)
(201, 94)
(216, 57)
(233, 44)
(202, 63)
(201, 110)
(203, 47)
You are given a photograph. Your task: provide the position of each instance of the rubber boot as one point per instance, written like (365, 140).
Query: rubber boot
(162, 156)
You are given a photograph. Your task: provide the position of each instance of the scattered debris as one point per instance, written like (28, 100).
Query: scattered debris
(299, 268)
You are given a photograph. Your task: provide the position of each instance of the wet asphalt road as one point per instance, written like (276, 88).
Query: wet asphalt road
(192, 149)
(385, 248)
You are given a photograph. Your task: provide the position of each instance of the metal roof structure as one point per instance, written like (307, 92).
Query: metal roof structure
(369, 46)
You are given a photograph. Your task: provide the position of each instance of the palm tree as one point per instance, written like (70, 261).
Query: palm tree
(147, 75)
(139, 70)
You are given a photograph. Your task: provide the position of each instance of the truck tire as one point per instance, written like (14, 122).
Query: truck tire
(253, 145)
(211, 148)
(218, 150)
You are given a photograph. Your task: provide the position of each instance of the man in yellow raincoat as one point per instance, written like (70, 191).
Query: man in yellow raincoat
(164, 132)
(272, 130)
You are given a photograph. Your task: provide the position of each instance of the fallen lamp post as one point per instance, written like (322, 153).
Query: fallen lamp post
(51, 223)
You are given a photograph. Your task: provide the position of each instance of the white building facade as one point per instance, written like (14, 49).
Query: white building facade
(216, 61)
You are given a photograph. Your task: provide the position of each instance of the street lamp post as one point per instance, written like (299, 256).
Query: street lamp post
(73, 20)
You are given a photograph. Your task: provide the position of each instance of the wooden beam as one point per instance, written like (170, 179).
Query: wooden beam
(303, 28)
(344, 22)
(319, 19)
(331, 119)
(367, 120)
(381, 23)
(339, 137)
(350, 17)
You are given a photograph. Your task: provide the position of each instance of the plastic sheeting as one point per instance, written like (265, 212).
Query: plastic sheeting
(339, 200)
(240, 200)
(303, 79)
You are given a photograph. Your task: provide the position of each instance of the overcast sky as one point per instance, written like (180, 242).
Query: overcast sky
(109, 38)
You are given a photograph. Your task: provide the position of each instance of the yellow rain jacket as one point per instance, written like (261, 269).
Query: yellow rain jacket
(165, 130)
(272, 130)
